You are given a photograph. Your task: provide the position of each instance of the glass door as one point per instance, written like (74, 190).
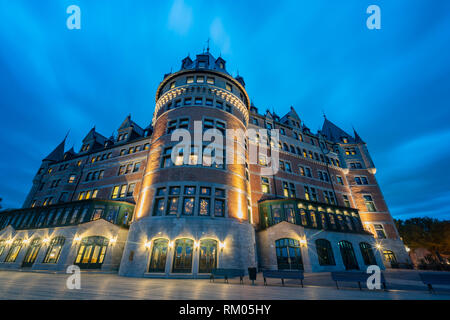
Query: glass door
(32, 252)
(92, 252)
(182, 258)
(208, 256)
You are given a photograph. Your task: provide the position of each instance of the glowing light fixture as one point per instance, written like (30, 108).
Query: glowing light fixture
(378, 246)
(171, 244)
(46, 240)
(9, 241)
(303, 242)
(148, 244)
(77, 239)
(407, 249)
(26, 241)
(221, 245)
(112, 240)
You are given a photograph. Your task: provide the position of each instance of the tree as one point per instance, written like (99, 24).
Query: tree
(428, 233)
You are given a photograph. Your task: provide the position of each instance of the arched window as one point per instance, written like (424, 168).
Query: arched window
(32, 252)
(92, 252)
(2, 246)
(325, 252)
(54, 250)
(348, 255)
(389, 256)
(182, 258)
(367, 253)
(285, 147)
(208, 256)
(14, 251)
(292, 149)
(159, 256)
(289, 256)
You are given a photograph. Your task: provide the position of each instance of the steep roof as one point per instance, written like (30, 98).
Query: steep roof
(57, 154)
(127, 123)
(210, 62)
(93, 135)
(334, 133)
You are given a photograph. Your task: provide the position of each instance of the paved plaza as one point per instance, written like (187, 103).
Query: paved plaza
(32, 285)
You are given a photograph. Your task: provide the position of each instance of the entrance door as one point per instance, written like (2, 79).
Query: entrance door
(182, 259)
(348, 255)
(208, 256)
(289, 256)
(32, 252)
(92, 252)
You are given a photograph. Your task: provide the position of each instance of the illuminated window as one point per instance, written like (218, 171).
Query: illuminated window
(14, 251)
(200, 79)
(190, 80)
(370, 205)
(229, 87)
(54, 250)
(210, 80)
(159, 255)
(346, 200)
(379, 230)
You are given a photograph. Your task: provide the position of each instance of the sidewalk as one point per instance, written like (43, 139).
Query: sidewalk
(27, 285)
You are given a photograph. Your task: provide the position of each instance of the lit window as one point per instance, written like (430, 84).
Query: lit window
(369, 203)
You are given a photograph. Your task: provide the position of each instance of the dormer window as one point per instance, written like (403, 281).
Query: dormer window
(210, 80)
(221, 65)
(229, 87)
(172, 85)
(344, 140)
(202, 64)
(190, 80)
(200, 79)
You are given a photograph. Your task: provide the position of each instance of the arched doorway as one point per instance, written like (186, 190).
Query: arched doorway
(348, 255)
(208, 256)
(159, 255)
(289, 256)
(182, 258)
(32, 252)
(367, 254)
(92, 252)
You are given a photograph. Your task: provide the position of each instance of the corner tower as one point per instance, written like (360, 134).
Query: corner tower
(193, 213)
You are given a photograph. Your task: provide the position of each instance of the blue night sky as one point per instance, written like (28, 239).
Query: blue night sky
(392, 84)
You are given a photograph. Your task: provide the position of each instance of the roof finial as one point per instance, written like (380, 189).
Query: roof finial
(324, 115)
(207, 49)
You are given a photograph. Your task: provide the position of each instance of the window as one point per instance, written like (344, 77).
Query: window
(200, 79)
(289, 255)
(389, 256)
(188, 206)
(160, 202)
(166, 158)
(159, 256)
(339, 180)
(172, 85)
(265, 185)
(174, 193)
(355, 165)
(370, 205)
(229, 87)
(346, 200)
(54, 250)
(182, 259)
(115, 193)
(92, 252)
(348, 255)
(72, 178)
(210, 80)
(288, 167)
(198, 101)
(205, 201)
(208, 256)
(130, 189)
(379, 230)
(14, 251)
(367, 254)
(325, 253)
(219, 203)
(350, 151)
(190, 80)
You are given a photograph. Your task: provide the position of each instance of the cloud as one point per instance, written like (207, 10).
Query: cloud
(180, 17)
(219, 36)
